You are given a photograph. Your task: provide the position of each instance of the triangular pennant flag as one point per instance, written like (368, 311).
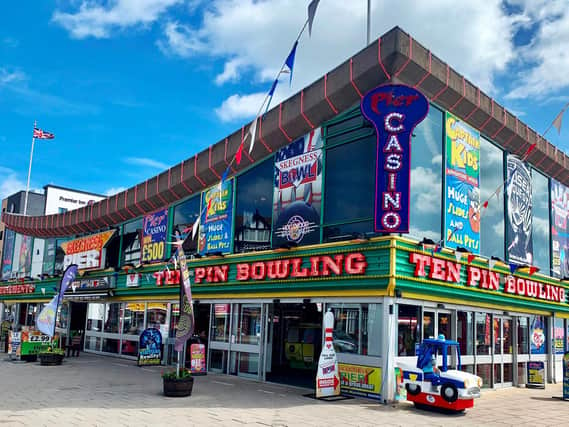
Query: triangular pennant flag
(533, 269)
(491, 263)
(513, 267)
(237, 156)
(438, 248)
(528, 151)
(458, 256)
(252, 132)
(195, 227)
(485, 205)
(290, 61)
(557, 121)
(311, 12)
(470, 258)
(225, 173)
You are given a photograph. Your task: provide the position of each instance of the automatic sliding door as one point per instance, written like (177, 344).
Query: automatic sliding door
(245, 342)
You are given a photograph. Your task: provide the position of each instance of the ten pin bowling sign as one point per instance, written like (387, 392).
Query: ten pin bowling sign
(328, 375)
(394, 111)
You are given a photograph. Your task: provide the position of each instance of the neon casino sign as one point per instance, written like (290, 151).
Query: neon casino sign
(394, 111)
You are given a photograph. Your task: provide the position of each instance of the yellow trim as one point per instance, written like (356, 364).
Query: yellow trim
(562, 315)
(252, 295)
(474, 304)
(21, 301)
(392, 267)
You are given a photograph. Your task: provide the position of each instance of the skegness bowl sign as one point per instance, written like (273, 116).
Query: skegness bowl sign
(394, 111)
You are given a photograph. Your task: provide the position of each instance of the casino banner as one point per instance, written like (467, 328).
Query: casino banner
(559, 229)
(519, 208)
(297, 191)
(462, 185)
(154, 231)
(215, 222)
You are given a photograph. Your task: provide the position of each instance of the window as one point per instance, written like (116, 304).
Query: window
(349, 192)
(112, 318)
(465, 332)
(185, 215)
(220, 323)
(483, 334)
(133, 318)
(523, 335)
(156, 317)
(95, 316)
(354, 325)
(408, 329)
(131, 236)
(491, 178)
(61, 210)
(426, 177)
(253, 208)
(540, 221)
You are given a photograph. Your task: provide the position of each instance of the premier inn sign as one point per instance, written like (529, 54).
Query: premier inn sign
(316, 266)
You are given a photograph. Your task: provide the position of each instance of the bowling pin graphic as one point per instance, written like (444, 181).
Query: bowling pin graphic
(328, 375)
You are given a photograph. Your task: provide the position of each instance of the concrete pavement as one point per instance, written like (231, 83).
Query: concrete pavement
(103, 391)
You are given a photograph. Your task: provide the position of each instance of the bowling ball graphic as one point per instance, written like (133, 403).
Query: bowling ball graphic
(296, 221)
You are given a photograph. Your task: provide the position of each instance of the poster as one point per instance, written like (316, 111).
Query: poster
(462, 185)
(14, 345)
(49, 257)
(360, 380)
(215, 223)
(150, 347)
(197, 355)
(25, 256)
(519, 208)
(297, 191)
(559, 229)
(86, 252)
(536, 374)
(538, 337)
(566, 376)
(8, 253)
(327, 376)
(154, 231)
(558, 336)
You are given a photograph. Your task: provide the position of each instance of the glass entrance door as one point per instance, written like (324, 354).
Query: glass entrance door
(503, 351)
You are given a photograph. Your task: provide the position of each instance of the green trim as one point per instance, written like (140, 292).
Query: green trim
(169, 232)
(121, 232)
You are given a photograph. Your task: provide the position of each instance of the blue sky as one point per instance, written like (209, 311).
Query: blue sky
(130, 87)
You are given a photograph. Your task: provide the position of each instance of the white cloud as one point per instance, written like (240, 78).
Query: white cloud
(10, 183)
(181, 40)
(425, 183)
(100, 18)
(230, 72)
(238, 107)
(8, 76)
(114, 190)
(143, 161)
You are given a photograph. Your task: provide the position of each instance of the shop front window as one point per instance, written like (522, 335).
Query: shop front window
(248, 324)
(157, 316)
(491, 178)
(483, 334)
(253, 208)
(523, 335)
(558, 336)
(507, 337)
(354, 324)
(540, 222)
(185, 216)
(220, 324)
(465, 332)
(112, 318)
(133, 318)
(132, 233)
(95, 317)
(408, 329)
(426, 177)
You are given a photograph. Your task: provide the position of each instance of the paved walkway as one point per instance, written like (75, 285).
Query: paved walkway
(103, 391)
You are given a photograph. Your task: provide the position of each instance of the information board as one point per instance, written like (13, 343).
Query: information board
(536, 374)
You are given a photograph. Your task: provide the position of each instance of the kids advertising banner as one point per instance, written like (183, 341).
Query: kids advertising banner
(559, 240)
(150, 347)
(394, 111)
(154, 228)
(9, 240)
(215, 223)
(297, 192)
(519, 218)
(538, 337)
(462, 185)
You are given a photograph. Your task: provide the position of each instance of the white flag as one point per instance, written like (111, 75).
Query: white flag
(252, 132)
(45, 321)
(195, 227)
(458, 256)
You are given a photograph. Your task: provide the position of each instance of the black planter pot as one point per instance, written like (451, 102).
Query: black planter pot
(50, 359)
(179, 387)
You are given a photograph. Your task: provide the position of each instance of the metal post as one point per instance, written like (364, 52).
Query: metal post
(368, 21)
(29, 172)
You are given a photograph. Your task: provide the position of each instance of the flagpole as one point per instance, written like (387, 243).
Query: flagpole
(29, 171)
(368, 21)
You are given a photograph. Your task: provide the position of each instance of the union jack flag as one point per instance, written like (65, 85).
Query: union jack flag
(42, 134)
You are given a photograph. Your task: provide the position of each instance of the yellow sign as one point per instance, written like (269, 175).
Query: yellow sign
(360, 380)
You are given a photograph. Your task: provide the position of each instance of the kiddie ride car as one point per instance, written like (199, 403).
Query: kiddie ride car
(445, 388)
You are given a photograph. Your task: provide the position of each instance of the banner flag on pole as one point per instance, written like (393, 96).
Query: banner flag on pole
(271, 93)
(238, 155)
(68, 276)
(186, 321)
(311, 12)
(45, 322)
(195, 227)
(252, 132)
(290, 61)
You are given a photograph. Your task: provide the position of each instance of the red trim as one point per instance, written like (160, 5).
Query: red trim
(503, 125)
(146, 198)
(170, 184)
(302, 110)
(462, 97)
(158, 190)
(489, 118)
(117, 207)
(210, 167)
(225, 157)
(352, 79)
(378, 60)
(188, 189)
(408, 59)
(507, 142)
(427, 74)
(326, 94)
(289, 139)
(242, 142)
(196, 171)
(261, 133)
(545, 156)
(136, 200)
(440, 92)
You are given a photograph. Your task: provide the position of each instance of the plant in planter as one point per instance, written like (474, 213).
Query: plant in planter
(51, 356)
(178, 385)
